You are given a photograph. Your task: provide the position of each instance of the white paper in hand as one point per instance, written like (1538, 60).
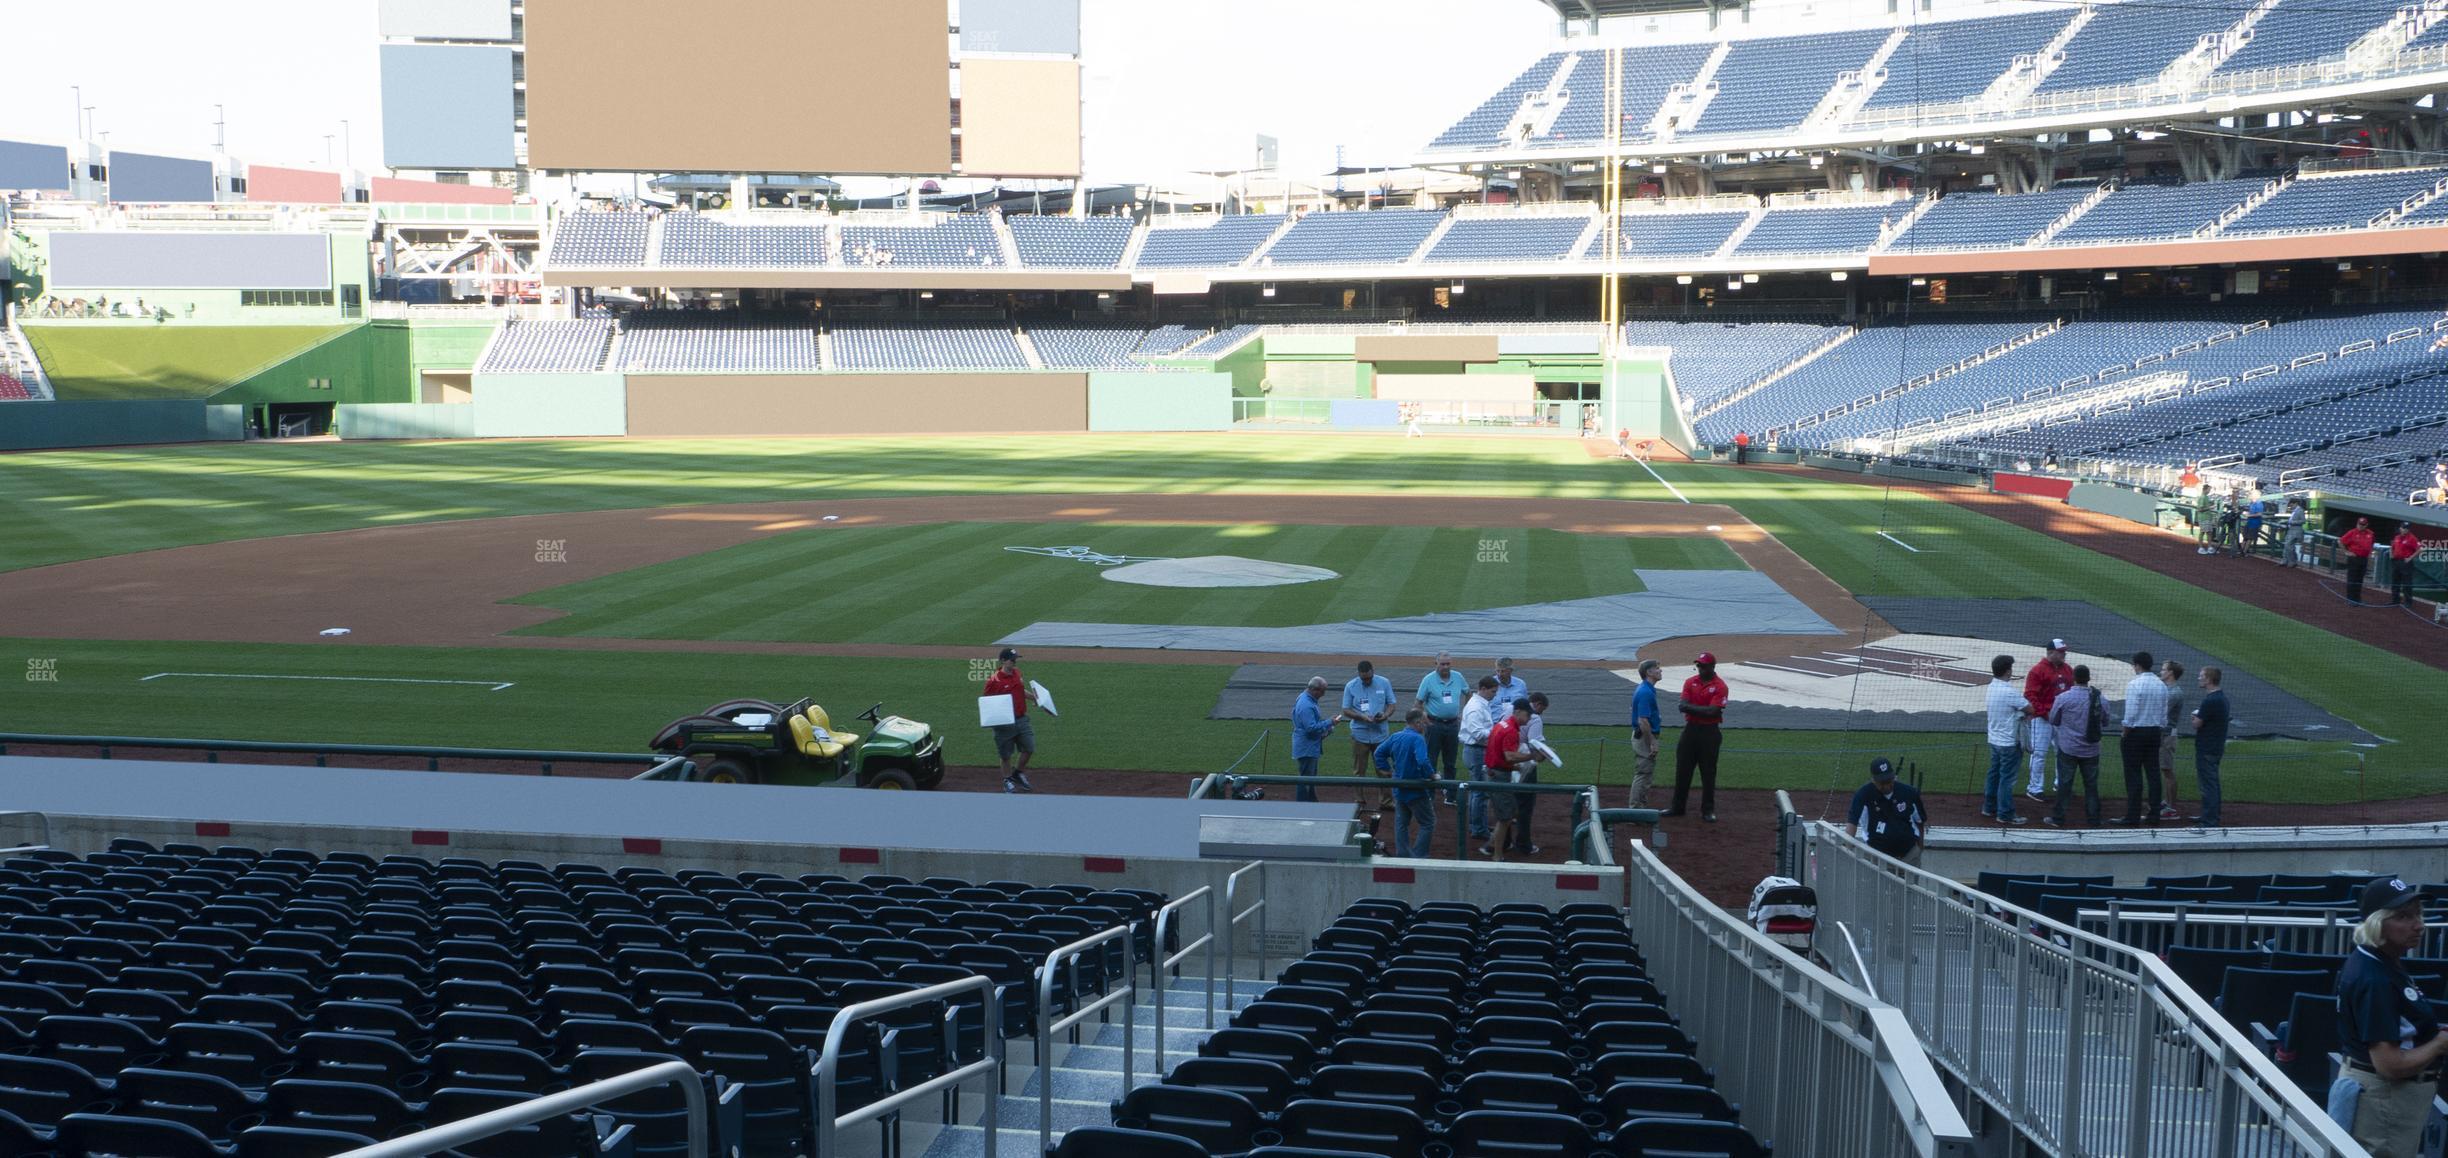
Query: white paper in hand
(1548, 752)
(1045, 699)
(995, 711)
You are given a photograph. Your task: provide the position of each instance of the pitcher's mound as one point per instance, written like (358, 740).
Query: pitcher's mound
(1216, 571)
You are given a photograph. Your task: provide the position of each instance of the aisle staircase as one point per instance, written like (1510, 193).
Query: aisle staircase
(1086, 1077)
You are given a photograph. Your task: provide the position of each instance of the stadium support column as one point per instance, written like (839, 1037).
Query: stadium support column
(741, 197)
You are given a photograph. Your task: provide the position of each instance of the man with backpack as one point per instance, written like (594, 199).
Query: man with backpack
(2076, 720)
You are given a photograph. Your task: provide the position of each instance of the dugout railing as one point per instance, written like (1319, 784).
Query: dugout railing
(2085, 1045)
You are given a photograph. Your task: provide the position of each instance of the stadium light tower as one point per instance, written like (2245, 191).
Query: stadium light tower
(77, 110)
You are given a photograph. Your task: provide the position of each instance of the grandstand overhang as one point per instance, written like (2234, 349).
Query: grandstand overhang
(985, 281)
(2168, 254)
(1610, 9)
(1911, 126)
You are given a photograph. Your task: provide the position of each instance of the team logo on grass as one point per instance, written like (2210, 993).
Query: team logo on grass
(1902, 673)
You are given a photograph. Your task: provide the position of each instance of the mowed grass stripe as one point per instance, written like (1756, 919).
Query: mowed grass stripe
(245, 490)
(957, 583)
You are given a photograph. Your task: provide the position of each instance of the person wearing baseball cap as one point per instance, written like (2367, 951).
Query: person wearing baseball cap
(1018, 738)
(2358, 545)
(1888, 816)
(1704, 700)
(2047, 680)
(2391, 1039)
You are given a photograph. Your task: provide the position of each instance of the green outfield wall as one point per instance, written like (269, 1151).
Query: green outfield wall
(57, 425)
(553, 405)
(406, 420)
(1166, 401)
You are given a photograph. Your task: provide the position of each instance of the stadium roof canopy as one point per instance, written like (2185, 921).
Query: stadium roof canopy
(1608, 9)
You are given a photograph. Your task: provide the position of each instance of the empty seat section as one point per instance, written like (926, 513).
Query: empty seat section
(952, 241)
(1225, 241)
(1380, 236)
(2342, 201)
(550, 345)
(1810, 230)
(1980, 220)
(2131, 43)
(1653, 234)
(1772, 84)
(598, 238)
(2150, 212)
(1070, 242)
(1955, 59)
(727, 341)
(943, 346)
(699, 240)
(1522, 238)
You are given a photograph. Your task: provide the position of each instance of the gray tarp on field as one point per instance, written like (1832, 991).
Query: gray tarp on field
(1605, 627)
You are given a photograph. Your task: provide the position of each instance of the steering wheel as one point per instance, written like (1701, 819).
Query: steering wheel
(870, 714)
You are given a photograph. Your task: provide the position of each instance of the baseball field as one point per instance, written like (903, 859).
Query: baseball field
(577, 594)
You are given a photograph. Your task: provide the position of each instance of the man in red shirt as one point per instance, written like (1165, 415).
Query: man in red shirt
(1704, 700)
(2046, 680)
(2358, 544)
(1507, 756)
(2402, 552)
(1018, 737)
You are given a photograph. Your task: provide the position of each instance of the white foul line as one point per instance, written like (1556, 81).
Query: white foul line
(1670, 487)
(223, 675)
(1899, 542)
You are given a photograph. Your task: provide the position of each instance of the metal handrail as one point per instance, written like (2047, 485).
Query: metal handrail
(213, 748)
(1691, 943)
(46, 826)
(1232, 924)
(451, 1135)
(678, 769)
(827, 1075)
(1161, 963)
(1048, 1026)
(2249, 1075)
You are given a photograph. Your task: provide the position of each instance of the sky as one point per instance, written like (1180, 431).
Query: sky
(1168, 87)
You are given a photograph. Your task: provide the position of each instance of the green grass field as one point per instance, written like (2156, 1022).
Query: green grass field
(67, 505)
(954, 583)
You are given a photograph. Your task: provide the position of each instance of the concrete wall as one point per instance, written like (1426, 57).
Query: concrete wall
(2417, 852)
(1636, 399)
(550, 405)
(1167, 401)
(406, 420)
(787, 404)
(1310, 345)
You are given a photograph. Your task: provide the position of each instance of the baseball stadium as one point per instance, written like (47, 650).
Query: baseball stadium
(1808, 579)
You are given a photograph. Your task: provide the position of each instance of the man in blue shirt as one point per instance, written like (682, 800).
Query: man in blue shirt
(2209, 745)
(1406, 757)
(1309, 732)
(1368, 702)
(1441, 693)
(1509, 687)
(1646, 726)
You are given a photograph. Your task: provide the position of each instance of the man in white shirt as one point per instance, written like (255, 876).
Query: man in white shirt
(2145, 717)
(1478, 717)
(2005, 705)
